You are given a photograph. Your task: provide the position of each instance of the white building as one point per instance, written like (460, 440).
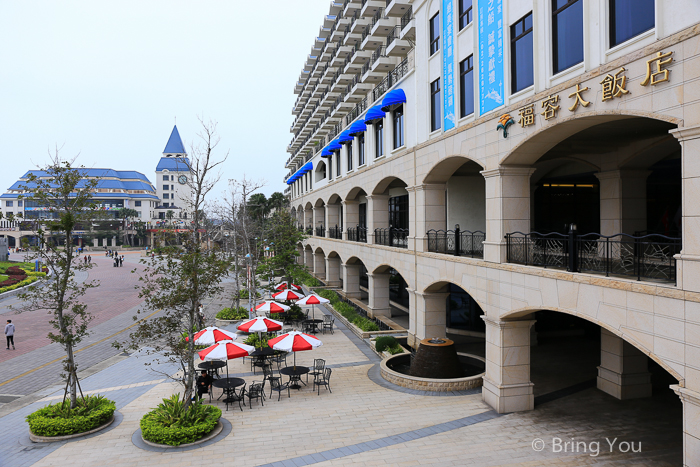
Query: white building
(469, 168)
(173, 178)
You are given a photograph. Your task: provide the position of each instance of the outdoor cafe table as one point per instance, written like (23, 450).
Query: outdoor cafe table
(228, 385)
(314, 324)
(294, 373)
(260, 355)
(212, 367)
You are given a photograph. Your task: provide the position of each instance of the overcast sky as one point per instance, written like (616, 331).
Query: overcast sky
(106, 80)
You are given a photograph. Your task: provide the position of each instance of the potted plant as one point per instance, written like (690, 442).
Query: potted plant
(231, 315)
(173, 423)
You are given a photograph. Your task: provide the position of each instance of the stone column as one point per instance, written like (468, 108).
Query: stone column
(623, 201)
(319, 217)
(623, 372)
(507, 386)
(430, 212)
(351, 215)
(300, 258)
(319, 265)
(332, 217)
(309, 259)
(688, 262)
(507, 207)
(377, 214)
(691, 424)
(378, 285)
(431, 315)
(351, 280)
(308, 217)
(411, 217)
(333, 271)
(412, 307)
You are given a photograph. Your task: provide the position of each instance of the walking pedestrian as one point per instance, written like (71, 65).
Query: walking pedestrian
(85, 260)
(89, 259)
(121, 261)
(10, 334)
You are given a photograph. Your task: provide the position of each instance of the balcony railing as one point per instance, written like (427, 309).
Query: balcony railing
(397, 238)
(407, 17)
(357, 234)
(320, 232)
(648, 256)
(393, 35)
(457, 242)
(335, 232)
(309, 231)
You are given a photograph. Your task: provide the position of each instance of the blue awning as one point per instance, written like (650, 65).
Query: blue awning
(326, 153)
(345, 138)
(334, 146)
(357, 128)
(308, 167)
(395, 97)
(375, 113)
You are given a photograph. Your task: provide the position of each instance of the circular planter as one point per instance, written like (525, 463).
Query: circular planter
(431, 384)
(52, 439)
(213, 433)
(227, 322)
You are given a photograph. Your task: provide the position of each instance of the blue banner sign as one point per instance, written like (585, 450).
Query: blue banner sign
(490, 55)
(448, 60)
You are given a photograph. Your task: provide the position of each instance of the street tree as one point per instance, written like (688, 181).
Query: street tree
(282, 238)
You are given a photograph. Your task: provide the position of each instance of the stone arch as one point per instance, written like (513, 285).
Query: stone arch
(319, 250)
(438, 285)
(319, 203)
(384, 267)
(385, 183)
(354, 193)
(335, 198)
(443, 169)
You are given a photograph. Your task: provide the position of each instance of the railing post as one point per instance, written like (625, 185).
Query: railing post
(457, 240)
(637, 256)
(391, 238)
(508, 249)
(573, 250)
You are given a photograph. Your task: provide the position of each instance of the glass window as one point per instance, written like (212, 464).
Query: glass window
(398, 127)
(166, 196)
(362, 217)
(567, 33)
(398, 212)
(8, 204)
(172, 177)
(330, 167)
(435, 103)
(349, 156)
(166, 177)
(379, 139)
(137, 204)
(521, 59)
(629, 18)
(337, 166)
(166, 187)
(435, 33)
(19, 203)
(465, 13)
(361, 150)
(466, 86)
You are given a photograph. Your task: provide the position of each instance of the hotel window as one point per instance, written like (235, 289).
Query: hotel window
(629, 18)
(8, 204)
(166, 196)
(465, 13)
(19, 203)
(166, 187)
(567, 33)
(166, 177)
(398, 212)
(466, 86)
(398, 127)
(137, 204)
(361, 150)
(379, 139)
(349, 156)
(435, 114)
(521, 66)
(435, 33)
(337, 166)
(330, 167)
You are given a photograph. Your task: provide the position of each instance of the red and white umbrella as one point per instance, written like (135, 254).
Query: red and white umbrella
(294, 341)
(272, 307)
(312, 299)
(287, 285)
(225, 351)
(260, 324)
(212, 335)
(287, 295)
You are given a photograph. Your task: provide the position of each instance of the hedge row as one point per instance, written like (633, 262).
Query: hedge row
(348, 311)
(17, 285)
(46, 422)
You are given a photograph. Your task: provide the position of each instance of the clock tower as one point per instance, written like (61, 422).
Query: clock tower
(173, 178)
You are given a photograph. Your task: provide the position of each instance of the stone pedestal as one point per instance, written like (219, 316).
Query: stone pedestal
(379, 294)
(623, 371)
(351, 280)
(507, 386)
(691, 425)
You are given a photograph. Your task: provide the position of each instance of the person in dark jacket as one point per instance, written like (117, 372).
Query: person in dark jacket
(203, 384)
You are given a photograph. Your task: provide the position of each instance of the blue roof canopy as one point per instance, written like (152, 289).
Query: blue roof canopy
(357, 128)
(308, 167)
(334, 146)
(395, 97)
(176, 164)
(174, 145)
(375, 113)
(345, 137)
(326, 153)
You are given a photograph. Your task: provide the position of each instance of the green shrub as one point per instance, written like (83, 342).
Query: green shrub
(243, 293)
(258, 341)
(295, 312)
(233, 313)
(330, 295)
(303, 277)
(26, 281)
(171, 424)
(385, 342)
(396, 349)
(366, 324)
(60, 419)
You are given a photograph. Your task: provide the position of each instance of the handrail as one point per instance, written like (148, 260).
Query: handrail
(391, 236)
(457, 242)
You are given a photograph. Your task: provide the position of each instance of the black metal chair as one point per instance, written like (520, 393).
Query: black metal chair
(317, 369)
(328, 322)
(276, 385)
(234, 396)
(255, 391)
(324, 379)
(269, 375)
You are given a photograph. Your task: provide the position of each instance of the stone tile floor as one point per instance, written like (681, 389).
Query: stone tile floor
(363, 423)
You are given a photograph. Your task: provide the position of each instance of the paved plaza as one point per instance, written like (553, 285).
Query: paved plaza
(364, 421)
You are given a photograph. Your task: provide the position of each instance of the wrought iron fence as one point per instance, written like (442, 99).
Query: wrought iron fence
(407, 17)
(397, 238)
(335, 232)
(357, 234)
(457, 242)
(309, 230)
(320, 232)
(647, 256)
(393, 35)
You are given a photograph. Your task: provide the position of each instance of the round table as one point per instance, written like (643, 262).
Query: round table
(212, 367)
(314, 324)
(294, 373)
(260, 356)
(228, 385)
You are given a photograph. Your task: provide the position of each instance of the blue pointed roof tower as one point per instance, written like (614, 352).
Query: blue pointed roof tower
(174, 145)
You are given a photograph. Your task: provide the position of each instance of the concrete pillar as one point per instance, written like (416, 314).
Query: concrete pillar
(430, 212)
(507, 207)
(691, 425)
(507, 386)
(688, 262)
(351, 280)
(351, 215)
(377, 214)
(378, 284)
(94, 242)
(411, 217)
(332, 214)
(333, 271)
(300, 258)
(623, 201)
(308, 218)
(430, 315)
(623, 372)
(319, 265)
(412, 307)
(309, 259)
(319, 217)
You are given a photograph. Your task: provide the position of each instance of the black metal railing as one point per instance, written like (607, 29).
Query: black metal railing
(648, 256)
(357, 234)
(390, 236)
(457, 242)
(300, 228)
(335, 232)
(309, 230)
(407, 17)
(320, 232)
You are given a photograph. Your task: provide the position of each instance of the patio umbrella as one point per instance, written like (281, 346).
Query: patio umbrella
(212, 335)
(288, 295)
(294, 341)
(312, 300)
(287, 285)
(272, 307)
(225, 351)
(260, 324)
